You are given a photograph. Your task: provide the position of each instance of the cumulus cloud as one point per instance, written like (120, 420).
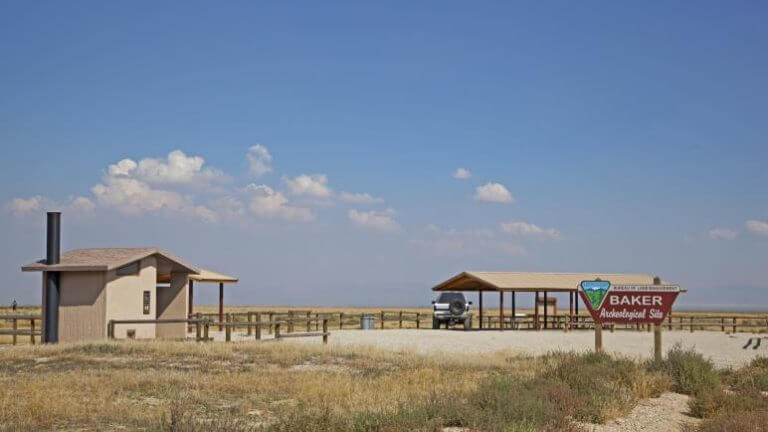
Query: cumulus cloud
(462, 174)
(314, 186)
(520, 228)
(259, 160)
(82, 204)
(176, 168)
(757, 227)
(722, 234)
(378, 220)
(25, 206)
(493, 192)
(359, 198)
(268, 203)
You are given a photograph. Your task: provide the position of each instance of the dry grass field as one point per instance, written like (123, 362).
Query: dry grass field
(186, 386)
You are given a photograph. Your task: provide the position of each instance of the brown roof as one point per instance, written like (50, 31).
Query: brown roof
(204, 276)
(521, 281)
(104, 259)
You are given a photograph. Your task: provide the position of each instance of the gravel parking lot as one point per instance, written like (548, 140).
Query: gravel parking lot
(724, 349)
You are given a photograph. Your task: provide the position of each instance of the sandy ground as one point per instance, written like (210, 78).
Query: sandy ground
(667, 412)
(725, 350)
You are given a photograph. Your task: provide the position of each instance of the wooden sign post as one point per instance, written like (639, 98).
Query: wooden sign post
(628, 304)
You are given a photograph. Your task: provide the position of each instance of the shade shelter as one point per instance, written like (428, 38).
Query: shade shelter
(536, 283)
(207, 276)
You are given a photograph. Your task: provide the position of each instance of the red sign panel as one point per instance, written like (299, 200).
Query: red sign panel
(628, 304)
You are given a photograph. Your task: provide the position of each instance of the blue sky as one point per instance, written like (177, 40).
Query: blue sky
(598, 137)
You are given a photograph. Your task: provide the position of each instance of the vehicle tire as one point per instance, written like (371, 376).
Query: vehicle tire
(435, 323)
(467, 324)
(457, 307)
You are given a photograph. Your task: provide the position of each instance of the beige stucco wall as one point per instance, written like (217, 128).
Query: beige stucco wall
(81, 306)
(125, 299)
(171, 304)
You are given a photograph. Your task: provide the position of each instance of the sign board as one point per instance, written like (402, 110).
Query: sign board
(628, 304)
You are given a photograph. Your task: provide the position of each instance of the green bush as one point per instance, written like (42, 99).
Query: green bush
(692, 373)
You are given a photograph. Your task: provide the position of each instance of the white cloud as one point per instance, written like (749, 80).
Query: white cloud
(464, 242)
(493, 192)
(382, 221)
(82, 204)
(259, 160)
(176, 168)
(133, 196)
(315, 186)
(360, 198)
(757, 227)
(462, 174)
(722, 234)
(526, 229)
(25, 206)
(268, 203)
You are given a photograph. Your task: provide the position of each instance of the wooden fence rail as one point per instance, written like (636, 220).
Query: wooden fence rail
(15, 331)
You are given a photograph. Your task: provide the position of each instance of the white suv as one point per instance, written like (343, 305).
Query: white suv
(451, 308)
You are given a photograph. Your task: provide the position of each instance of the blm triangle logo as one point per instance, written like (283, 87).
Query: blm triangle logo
(595, 291)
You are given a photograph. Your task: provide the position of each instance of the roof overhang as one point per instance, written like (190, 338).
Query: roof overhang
(532, 282)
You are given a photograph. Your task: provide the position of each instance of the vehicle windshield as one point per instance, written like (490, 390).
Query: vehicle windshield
(449, 297)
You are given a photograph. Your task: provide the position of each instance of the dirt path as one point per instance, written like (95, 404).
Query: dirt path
(663, 414)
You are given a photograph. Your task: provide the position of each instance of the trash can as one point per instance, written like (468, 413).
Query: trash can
(366, 322)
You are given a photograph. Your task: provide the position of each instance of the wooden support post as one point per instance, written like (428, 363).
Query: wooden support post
(325, 331)
(570, 307)
(480, 301)
(657, 342)
(514, 310)
(382, 320)
(536, 312)
(191, 305)
(576, 307)
(250, 321)
(15, 327)
(546, 310)
(32, 331)
(598, 337)
(221, 303)
(401, 319)
(501, 310)
(228, 328)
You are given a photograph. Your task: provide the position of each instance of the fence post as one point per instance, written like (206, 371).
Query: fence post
(250, 321)
(401, 319)
(325, 331)
(290, 321)
(317, 321)
(206, 325)
(15, 327)
(722, 324)
(418, 320)
(341, 320)
(32, 331)
(691, 324)
(197, 331)
(382, 320)
(111, 329)
(228, 328)
(277, 331)
(734, 325)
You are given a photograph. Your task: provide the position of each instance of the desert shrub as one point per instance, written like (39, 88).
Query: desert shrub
(752, 377)
(750, 421)
(692, 373)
